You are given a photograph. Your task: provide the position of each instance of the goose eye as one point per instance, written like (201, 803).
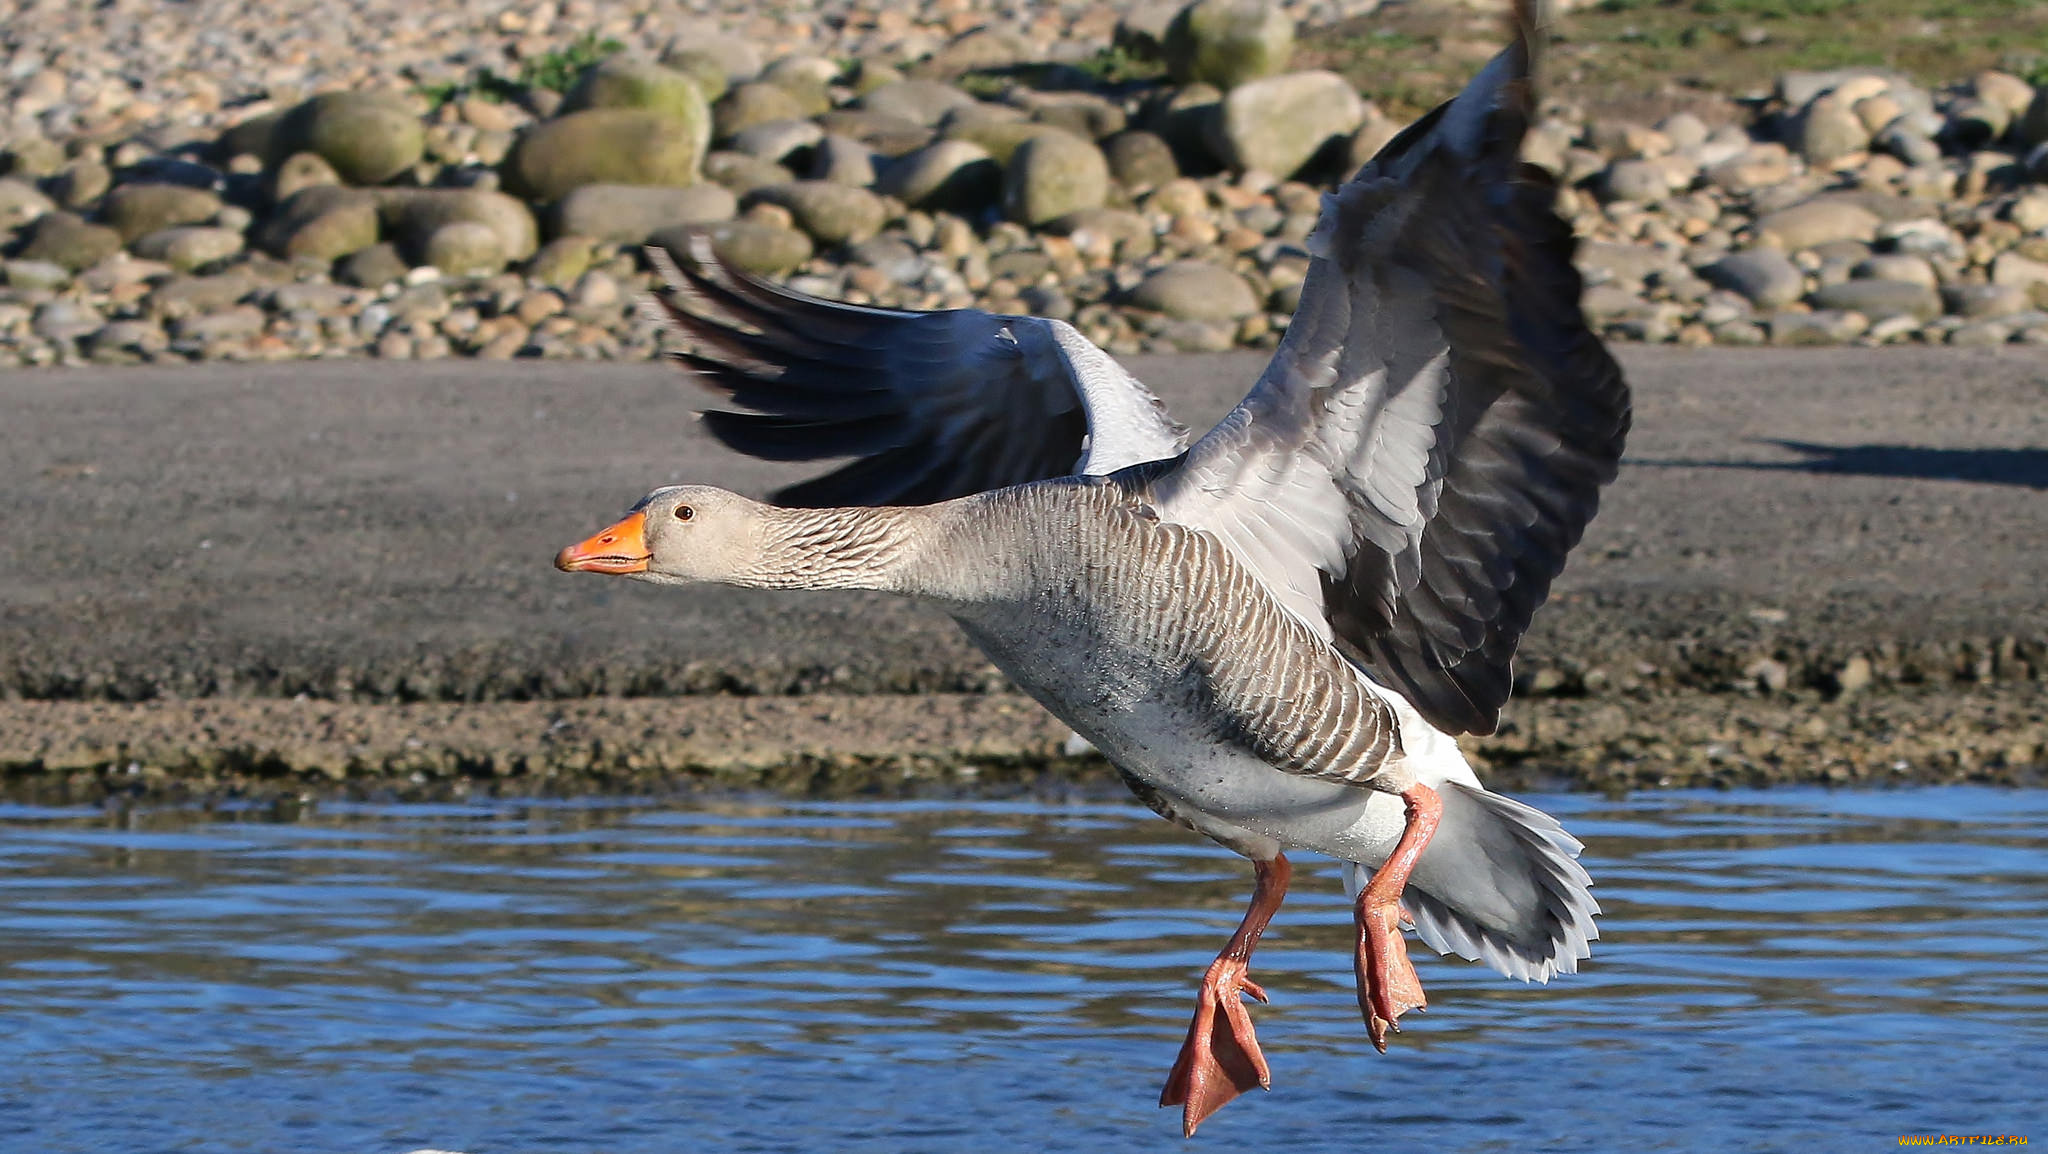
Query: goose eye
(684, 512)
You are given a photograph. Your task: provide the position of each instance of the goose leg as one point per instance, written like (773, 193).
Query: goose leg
(1221, 1057)
(1387, 985)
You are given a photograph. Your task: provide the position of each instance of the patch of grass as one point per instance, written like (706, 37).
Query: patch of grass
(556, 70)
(1641, 57)
(1114, 65)
(559, 69)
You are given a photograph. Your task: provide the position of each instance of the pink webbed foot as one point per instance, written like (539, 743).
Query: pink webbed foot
(1387, 984)
(1221, 1057)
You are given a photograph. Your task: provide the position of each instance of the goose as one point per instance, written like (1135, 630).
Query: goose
(1274, 632)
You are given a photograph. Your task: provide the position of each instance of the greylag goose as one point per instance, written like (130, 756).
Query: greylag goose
(1273, 633)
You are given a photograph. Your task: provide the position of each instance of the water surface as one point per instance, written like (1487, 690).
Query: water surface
(1782, 970)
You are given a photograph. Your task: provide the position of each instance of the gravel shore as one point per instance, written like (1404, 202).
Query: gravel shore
(316, 578)
(228, 181)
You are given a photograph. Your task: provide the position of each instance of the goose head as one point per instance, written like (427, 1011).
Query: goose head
(678, 535)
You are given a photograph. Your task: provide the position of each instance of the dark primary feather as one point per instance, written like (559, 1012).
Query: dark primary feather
(1538, 416)
(931, 405)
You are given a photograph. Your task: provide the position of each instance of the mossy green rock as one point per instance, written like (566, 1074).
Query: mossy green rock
(256, 136)
(369, 137)
(1140, 161)
(135, 210)
(704, 69)
(830, 213)
(1228, 42)
(68, 240)
(372, 267)
(296, 173)
(756, 102)
(561, 261)
(602, 146)
(464, 248)
(742, 173)
(413, 216)
(622, 82)
(325, 222)
(1051, 175)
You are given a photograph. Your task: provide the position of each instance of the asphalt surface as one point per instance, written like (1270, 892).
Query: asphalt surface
(379, 531)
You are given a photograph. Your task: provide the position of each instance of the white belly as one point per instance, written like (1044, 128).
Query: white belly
(1151, 724)
(1164, 748)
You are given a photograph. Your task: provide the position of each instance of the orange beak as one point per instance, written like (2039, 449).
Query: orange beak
(619, 549)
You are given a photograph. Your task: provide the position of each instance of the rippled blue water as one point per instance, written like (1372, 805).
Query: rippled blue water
(1786, 970)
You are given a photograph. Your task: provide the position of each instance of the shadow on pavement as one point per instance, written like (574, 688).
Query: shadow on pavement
(2025, 467)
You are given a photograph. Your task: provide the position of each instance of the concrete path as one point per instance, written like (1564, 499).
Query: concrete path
(374, 531)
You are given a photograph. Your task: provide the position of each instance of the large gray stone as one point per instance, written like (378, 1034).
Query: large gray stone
(1897, 266)
(1901, 139)
(1818, 222)
(1281, 124)
(1196, 290)
(741, 173)
(1636, 181)
(21, 202)
(1228, 42)
(1987, 301)
(751, 245)
(1051, 175)
(842, 160)
(134, 210)
(2011, 268)
(1140, 161)
(921, 102)
(777, 140)
(1603, 261)
(1878, 299)
(64, 239)
(948, 175)
(1765, 276)
(829, 213)
(1820, 327)
(1759, 166)
(1829, 129)
(630, 213)
(187, 247)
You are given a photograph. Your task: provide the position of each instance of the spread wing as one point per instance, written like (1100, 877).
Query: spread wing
(930, 405)
(1431, 437)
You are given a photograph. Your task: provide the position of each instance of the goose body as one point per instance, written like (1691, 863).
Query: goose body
(1273, 632)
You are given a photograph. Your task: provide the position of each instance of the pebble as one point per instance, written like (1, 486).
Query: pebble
(1856, 206)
